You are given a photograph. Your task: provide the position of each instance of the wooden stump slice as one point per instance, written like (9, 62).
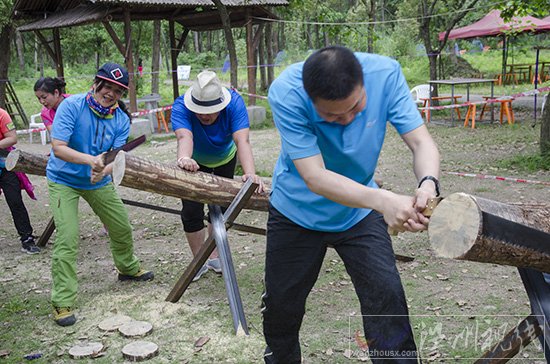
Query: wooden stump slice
(114, 322)
(85, 350)
(140, 350)
(135, 328)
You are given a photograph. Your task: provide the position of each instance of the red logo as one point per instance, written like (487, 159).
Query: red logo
(117, 73)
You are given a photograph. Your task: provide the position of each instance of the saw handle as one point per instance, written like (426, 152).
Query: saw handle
(428, 211)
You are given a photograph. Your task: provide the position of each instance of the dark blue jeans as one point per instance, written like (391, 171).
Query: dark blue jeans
(294, 256)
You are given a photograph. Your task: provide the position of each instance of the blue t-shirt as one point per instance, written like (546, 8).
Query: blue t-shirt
(213, 145)
(350, 150)
(84, 131)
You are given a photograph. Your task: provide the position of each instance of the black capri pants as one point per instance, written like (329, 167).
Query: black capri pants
(192, 213)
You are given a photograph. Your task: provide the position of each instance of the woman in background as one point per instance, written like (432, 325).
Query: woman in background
(50, 92)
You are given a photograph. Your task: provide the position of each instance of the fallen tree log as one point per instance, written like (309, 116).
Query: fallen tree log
(21, 161)
(466, 227)
(170, 180)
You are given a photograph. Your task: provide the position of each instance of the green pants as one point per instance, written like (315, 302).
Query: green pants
(107, 205)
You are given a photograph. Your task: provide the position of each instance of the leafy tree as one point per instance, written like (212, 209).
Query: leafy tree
(539, 8)
(6, 33)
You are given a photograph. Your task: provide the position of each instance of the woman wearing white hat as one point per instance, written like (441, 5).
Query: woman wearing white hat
(212, 128)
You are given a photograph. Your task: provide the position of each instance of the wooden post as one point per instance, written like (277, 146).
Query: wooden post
(58, 54)
(250, 60)
(473, 228)
(129, 59)
(174, 58)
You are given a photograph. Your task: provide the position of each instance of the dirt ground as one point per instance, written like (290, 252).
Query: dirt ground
(458, 308)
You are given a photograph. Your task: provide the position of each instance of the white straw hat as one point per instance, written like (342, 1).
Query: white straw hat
(207, 95)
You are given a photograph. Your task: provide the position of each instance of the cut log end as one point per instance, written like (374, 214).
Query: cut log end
(140, 350)
(455, 226)
(11, 159)
(119, 167)
(85, 350)
(135, 328)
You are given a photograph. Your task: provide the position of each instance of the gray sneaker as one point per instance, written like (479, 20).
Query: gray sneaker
(199, 274)
(215, 265)
(28, 246)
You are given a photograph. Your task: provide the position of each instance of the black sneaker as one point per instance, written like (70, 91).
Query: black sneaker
(64, 316)
(142, 275)
(28, 246)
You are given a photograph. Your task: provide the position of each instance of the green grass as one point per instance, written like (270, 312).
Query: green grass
(526, 163)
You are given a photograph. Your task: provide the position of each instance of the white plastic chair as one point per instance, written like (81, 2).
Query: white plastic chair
(34, 124)
(420, 92)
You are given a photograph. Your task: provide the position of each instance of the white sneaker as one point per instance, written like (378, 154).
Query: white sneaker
(215, 265)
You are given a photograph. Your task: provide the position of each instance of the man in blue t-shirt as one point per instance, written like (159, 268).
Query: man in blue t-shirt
(211, 125)
(331, 113)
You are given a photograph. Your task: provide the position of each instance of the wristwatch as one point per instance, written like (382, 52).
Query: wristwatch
(435, 181)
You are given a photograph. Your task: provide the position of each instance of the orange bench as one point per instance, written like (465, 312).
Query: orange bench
(454, 100)
(505, 109)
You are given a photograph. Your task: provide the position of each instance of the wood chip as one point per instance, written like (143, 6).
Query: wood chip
(114, 322)
(135, 328)
(4, 353)
(140, 350)
(85, 350)
(201, 341)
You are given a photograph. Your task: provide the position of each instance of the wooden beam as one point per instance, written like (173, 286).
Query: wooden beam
(118, 43)
(46, 45)
(511, 344)
(258, 36)
(181, 41)
(58, 54)
(129, 59)
(174, 57)
(466, 227)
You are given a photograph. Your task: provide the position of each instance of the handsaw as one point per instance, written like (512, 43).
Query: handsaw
(109, 157)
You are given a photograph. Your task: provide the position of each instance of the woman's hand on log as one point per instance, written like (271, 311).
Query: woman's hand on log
(187, 163)
(256, 179)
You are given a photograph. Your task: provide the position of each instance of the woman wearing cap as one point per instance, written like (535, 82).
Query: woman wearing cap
(211, 125)
(49, 91)
(85, 127)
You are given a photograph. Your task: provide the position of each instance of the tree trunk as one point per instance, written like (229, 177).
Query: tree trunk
(20, 50)
(224, 15)
(169, 180)
(269, 52)
(471, 228)
(5, 38)
(197, 42)
(21, 161)
(146, 175)
(155, 62)
(372, 19)
(545, 129)
(261, 61)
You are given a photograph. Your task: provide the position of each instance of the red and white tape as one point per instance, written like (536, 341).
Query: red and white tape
(498, 178)
(27, 131)
(146, 112)
(490, 101)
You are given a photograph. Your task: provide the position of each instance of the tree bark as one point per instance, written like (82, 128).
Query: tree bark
(20, 50)
(545, 129)
(269, 53)
(146, 175)
(226, 23)
(261, 61)
(169, 180)
(5, 41)
(155, 62)
(466, 227)
(21, 161)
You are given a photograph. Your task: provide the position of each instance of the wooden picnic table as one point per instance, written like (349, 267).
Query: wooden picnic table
(466, 81)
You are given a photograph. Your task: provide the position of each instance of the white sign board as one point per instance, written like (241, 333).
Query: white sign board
(183, 72)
